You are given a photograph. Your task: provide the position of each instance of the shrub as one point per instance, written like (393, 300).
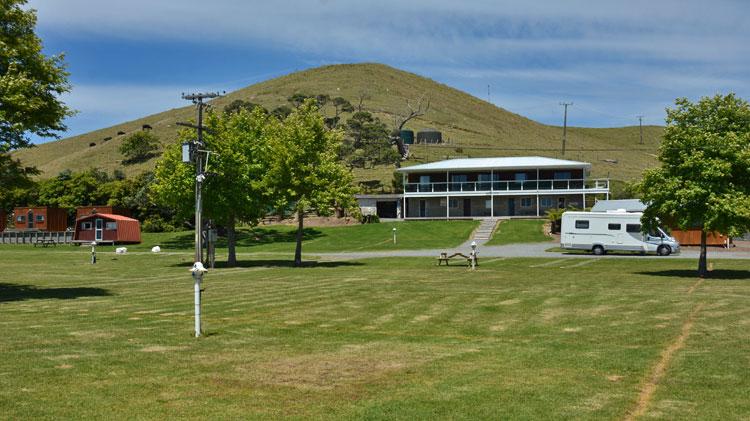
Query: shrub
(157, 224)
(370, 219)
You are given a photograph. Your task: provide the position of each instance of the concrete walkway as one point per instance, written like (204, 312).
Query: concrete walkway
(535, 250)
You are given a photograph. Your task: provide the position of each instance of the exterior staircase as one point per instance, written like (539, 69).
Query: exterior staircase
(484, 232)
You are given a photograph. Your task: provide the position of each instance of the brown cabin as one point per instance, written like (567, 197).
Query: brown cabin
(82, 211)
(40, 218)
(103, 227)
(692, 237)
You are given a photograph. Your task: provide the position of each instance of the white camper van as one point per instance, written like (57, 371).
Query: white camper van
(612, 230)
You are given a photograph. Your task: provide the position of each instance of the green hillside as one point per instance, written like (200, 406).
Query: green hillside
(471, 127)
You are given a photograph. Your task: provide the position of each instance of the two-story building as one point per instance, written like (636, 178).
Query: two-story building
(497, 187)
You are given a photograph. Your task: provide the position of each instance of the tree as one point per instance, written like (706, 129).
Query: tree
(704, 178)
(234, 192)
(413, 110)
(139, 147)
(15, 179)
(69, 190)
(281, 112)
(305, 173)
(367, 140)
(239, 104)
(30, 82)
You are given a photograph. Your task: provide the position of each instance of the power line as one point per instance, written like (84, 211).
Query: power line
(640, 126)
(565, 125)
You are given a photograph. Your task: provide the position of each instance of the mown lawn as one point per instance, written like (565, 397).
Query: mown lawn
(515, 231)
(376, 338)
(410, 235)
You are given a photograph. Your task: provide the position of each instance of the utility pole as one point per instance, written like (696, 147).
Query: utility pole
(195, 153)
(565, 125)
(640, 126)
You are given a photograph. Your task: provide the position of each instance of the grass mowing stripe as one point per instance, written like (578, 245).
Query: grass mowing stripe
(554, 262)
(583, 263)
(660, 369)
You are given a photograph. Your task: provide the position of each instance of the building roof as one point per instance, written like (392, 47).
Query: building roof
(630, 205)
(510, 162)
(107, 216)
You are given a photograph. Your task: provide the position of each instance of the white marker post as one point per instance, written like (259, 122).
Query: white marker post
(473, 255)
(394, 235)
(93, 252)
(198, 270)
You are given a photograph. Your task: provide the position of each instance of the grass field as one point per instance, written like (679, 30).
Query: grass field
(410, 235)
(376, 338)
(519, 231)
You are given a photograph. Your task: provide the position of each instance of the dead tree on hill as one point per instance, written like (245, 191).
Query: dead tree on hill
(413, 110)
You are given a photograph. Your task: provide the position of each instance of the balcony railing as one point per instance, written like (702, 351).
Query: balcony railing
(500, 186)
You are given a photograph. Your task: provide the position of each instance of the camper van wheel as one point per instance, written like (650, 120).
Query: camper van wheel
(598, 250)
(664, 251)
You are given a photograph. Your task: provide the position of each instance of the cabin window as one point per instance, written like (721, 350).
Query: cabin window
(20, 218)
(614, 227)
(40, 218)
(525, 202)
(633, 227)
(86, 226)
(111, 226)
(520, 176)
(562, 175)
(546, 202)
(453, 203)
(582, 225)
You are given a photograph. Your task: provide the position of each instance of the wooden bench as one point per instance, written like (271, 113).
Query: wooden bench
(45, 242)
(445, 258)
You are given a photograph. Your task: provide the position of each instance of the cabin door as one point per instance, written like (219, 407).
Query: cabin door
(99, 229)
(30, 220)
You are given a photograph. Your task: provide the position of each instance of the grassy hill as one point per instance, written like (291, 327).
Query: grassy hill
(471, 127)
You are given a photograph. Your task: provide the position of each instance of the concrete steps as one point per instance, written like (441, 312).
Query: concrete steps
(485, 229)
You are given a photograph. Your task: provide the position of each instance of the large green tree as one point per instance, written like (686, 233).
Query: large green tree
(305, 173)
(234, 191)
(30, 82)
(704, 178)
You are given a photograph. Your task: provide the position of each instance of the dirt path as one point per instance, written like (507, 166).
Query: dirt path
(657, 373)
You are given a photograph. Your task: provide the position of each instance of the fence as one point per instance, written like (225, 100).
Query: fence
(32, 237)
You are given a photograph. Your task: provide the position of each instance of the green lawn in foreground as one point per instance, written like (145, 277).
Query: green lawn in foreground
(378, 338)
(410, 235)
(515, 231)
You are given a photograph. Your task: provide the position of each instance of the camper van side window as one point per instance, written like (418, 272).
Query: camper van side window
(582, 224)
(633, 227)
(614, 227)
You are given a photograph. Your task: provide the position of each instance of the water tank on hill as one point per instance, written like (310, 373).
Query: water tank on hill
(429, 136)
(407, 136)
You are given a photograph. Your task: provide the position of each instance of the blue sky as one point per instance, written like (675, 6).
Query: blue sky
(613, 60)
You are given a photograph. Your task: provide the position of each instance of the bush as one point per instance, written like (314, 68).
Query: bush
(370, 219)
(157, 224)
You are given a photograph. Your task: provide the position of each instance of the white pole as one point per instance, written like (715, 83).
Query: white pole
(394, 235)
(198, 277)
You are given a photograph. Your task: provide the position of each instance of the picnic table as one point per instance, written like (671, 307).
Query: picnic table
(45, 242)
(445, 258)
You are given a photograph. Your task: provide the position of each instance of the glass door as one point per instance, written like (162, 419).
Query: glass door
(99, 229)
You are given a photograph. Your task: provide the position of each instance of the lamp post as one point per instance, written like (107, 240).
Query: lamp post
(394, 235)
(473, 255)
(93, 252)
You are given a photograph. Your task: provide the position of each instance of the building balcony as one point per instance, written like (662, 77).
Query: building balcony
(600, 185)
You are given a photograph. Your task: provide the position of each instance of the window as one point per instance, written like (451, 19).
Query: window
(582, 225)
(459, 178)
(520, 176)
(525, 202)
(562, 175)
(546, 202)
(111, 226)
(40, 218)
(20, 218)
(614, 227)
(453, 203)
(633, 228)
(86, 226)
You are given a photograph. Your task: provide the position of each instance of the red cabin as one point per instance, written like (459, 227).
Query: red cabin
(108, 228)
(40, 218)
(82, 211)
